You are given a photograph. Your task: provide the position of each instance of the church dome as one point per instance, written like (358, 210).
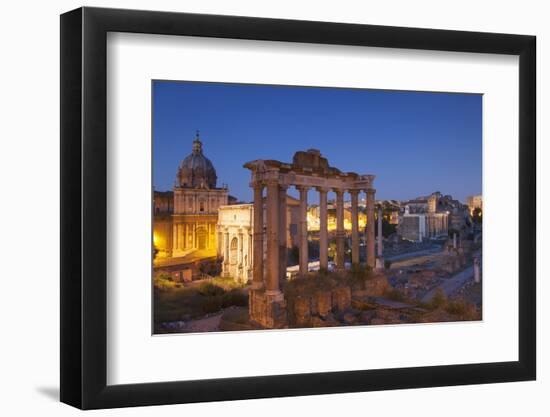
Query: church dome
(196, 170)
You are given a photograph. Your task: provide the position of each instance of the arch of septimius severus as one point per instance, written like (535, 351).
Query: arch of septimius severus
(308, 170)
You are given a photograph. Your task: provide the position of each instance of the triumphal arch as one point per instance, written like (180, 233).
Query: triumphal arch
(308, 170)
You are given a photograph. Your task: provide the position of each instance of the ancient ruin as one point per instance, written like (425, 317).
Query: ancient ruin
(308, 170)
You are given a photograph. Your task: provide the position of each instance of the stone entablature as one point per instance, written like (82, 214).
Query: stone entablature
(292, 175)
(199, 201)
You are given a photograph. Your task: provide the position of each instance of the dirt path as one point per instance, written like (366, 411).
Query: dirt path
(417, 254)
(416, 260)
(450, 285)
(208, 324)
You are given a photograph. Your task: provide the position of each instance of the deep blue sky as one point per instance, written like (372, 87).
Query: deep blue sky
(414, 142)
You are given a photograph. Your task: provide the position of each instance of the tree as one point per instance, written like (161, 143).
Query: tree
(294, 255)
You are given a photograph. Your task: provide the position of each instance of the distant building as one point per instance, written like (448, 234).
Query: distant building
(391, 210)
(474, 202)
(314, 221)
(424, 218)
(433, 216)
(419, 226)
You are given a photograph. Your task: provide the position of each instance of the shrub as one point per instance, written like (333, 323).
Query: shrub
(323, 272)
(208, 289)
(307, 286)
(164, 281)
(234, 298)
(439, 299)
(395, 295)
(294, 255)
(211, 304)
(458, 307)
(358, 275)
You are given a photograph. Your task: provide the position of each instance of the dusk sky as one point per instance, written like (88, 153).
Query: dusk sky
(414, 142)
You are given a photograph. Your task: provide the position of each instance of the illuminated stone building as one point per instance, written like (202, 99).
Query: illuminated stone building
(424, 218)
(474, 202)
(235, 231)
(185, 219)
(314, 220)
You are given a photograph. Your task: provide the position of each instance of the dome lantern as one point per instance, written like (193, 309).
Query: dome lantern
(197, 144)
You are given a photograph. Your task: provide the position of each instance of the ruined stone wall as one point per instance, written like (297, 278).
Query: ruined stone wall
(409, 228)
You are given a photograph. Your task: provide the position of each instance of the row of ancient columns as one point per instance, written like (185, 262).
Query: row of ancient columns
(276, 232)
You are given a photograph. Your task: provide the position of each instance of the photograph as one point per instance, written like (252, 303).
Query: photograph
(270, 209)
(285, 207)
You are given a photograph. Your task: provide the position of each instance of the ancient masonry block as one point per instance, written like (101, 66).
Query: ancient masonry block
(341, 298)
(266, 310)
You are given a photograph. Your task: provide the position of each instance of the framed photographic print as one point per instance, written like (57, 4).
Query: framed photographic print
(258, 208)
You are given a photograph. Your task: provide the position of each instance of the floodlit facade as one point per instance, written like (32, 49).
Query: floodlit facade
(185, 218)
(235, 231)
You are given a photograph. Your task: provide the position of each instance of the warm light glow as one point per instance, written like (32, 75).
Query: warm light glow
(313, 221)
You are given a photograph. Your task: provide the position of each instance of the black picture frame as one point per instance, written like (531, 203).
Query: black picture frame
(84, 207)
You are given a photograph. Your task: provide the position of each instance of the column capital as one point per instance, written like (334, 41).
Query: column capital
(283, 187)
(257, 184)
(271, 181)
(302, 187)
(370, 191)
(354, 192)
(323, 189)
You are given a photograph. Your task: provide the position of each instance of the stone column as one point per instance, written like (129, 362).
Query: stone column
(226, 253)
(273, 260)
(354, 227)
(370, 228)
(283, 231)
(185, 237)
(258, 257)
(477, 272)
(220, 253)
(380, 247)
(323, 225)
(454, 241)
(240, 255)
(380, 236)
(249, 255)
(175, 234)
(302, 232)
(340, 232)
